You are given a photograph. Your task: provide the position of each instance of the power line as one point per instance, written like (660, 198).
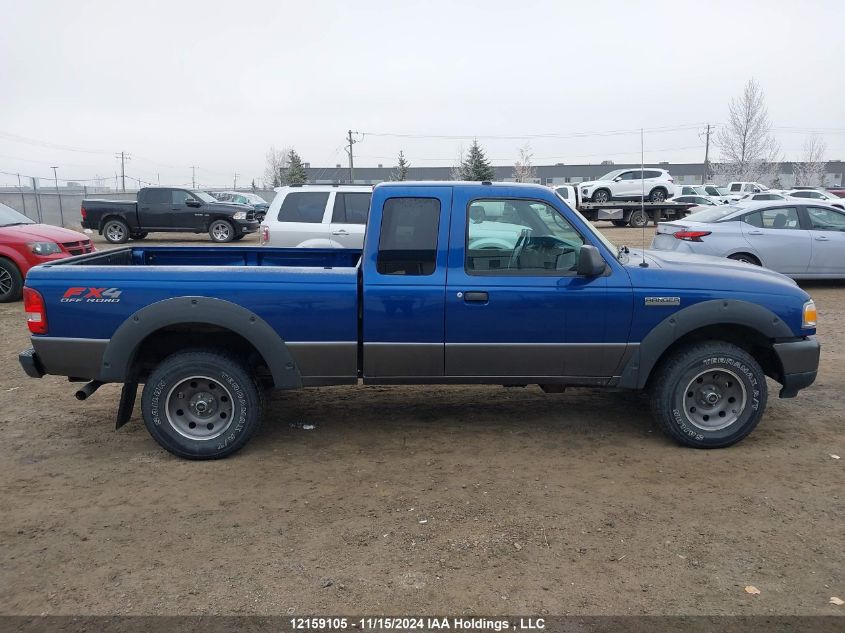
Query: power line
(654, 130)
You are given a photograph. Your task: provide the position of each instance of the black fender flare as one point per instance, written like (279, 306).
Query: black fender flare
(636, 371)
(120, 351)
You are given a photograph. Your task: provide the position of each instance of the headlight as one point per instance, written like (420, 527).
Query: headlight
(810, 317)
(44, 248)
(240, 215)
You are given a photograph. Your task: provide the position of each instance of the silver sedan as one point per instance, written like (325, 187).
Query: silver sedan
(799, 239)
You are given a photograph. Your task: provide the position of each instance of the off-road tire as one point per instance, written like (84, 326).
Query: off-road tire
(235, 389)
(688, 370)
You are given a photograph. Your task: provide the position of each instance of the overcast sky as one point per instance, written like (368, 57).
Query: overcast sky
(215, 84)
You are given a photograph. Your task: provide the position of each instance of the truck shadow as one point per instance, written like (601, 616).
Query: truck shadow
(437, 409)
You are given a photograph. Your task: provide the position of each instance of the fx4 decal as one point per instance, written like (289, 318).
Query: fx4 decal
(91, 295)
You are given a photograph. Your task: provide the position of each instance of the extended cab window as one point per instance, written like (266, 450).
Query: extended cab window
(778, 218)
(304, 206)
(408, 239)
(351, 208)
(736, 186)
(521, 237)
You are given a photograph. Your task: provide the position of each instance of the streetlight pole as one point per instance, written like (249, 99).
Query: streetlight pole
(59, 196)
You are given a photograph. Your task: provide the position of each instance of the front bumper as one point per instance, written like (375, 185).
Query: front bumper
(800, 362)
(246, 226)
(30, 363)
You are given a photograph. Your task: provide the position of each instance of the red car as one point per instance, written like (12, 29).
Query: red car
(24, 244)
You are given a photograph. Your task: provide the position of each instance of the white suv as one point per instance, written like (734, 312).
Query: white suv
(317, 216)
(629, 184)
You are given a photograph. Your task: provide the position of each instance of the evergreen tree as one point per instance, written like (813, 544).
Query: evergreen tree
(401, 171)
(476, 166)
(295, 173)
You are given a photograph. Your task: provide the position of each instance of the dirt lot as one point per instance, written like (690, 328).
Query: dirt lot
(423, 500)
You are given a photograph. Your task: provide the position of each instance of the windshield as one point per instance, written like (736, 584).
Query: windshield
(611, 175)
(713, 215)
(254, 198)
(202, 195)
(10, 217)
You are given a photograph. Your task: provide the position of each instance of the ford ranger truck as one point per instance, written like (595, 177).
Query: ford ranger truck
(457, 283)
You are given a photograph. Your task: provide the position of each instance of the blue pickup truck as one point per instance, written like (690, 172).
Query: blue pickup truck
(459, 283)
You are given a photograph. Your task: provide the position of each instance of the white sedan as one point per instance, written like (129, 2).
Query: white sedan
(800, 239)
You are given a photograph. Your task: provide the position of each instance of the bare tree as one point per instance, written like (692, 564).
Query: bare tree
(275, 166)
(523, 170)
(810, 170)
(748, 150)
(456, 171)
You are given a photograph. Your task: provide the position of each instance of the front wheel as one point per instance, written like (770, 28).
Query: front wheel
(601, 196)
(709, 395)
(221, 231)
(116, 232)
(201, 405)
(620, 223)
(11, 281)
(139, 236)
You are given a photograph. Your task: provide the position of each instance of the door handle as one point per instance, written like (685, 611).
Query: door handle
(822, 238)
(755, 232)
(340, 232)
(476, 297)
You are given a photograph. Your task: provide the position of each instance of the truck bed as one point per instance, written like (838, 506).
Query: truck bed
(308, 296)
(218, 256)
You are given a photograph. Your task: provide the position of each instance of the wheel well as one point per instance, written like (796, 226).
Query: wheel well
(751, 255)
(747, 338)
(177, 338)
(104, 220)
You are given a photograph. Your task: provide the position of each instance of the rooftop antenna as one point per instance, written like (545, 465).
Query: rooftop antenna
(643, 264)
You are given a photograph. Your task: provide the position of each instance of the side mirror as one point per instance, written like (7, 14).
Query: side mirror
(193, 202)
(617, 179)
(590, 262)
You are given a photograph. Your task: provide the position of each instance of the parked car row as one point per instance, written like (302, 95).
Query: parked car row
(253, 200)
(804, 240)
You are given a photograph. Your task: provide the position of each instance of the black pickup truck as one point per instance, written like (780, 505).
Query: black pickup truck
(165, 209)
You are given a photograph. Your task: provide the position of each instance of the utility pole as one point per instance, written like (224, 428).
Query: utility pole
(351, 142)
(123, 158)
(235, 183)
(23, 199)
(59, 196)
(193, 176)
(706, 156)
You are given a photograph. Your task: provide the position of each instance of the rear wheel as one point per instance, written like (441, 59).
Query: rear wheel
(11, 281)
(116, 231)
(221, 231)
(745, 257)
(657, 195)
(202, 405)
(639, 219)
(709, 395)
(619, 222)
